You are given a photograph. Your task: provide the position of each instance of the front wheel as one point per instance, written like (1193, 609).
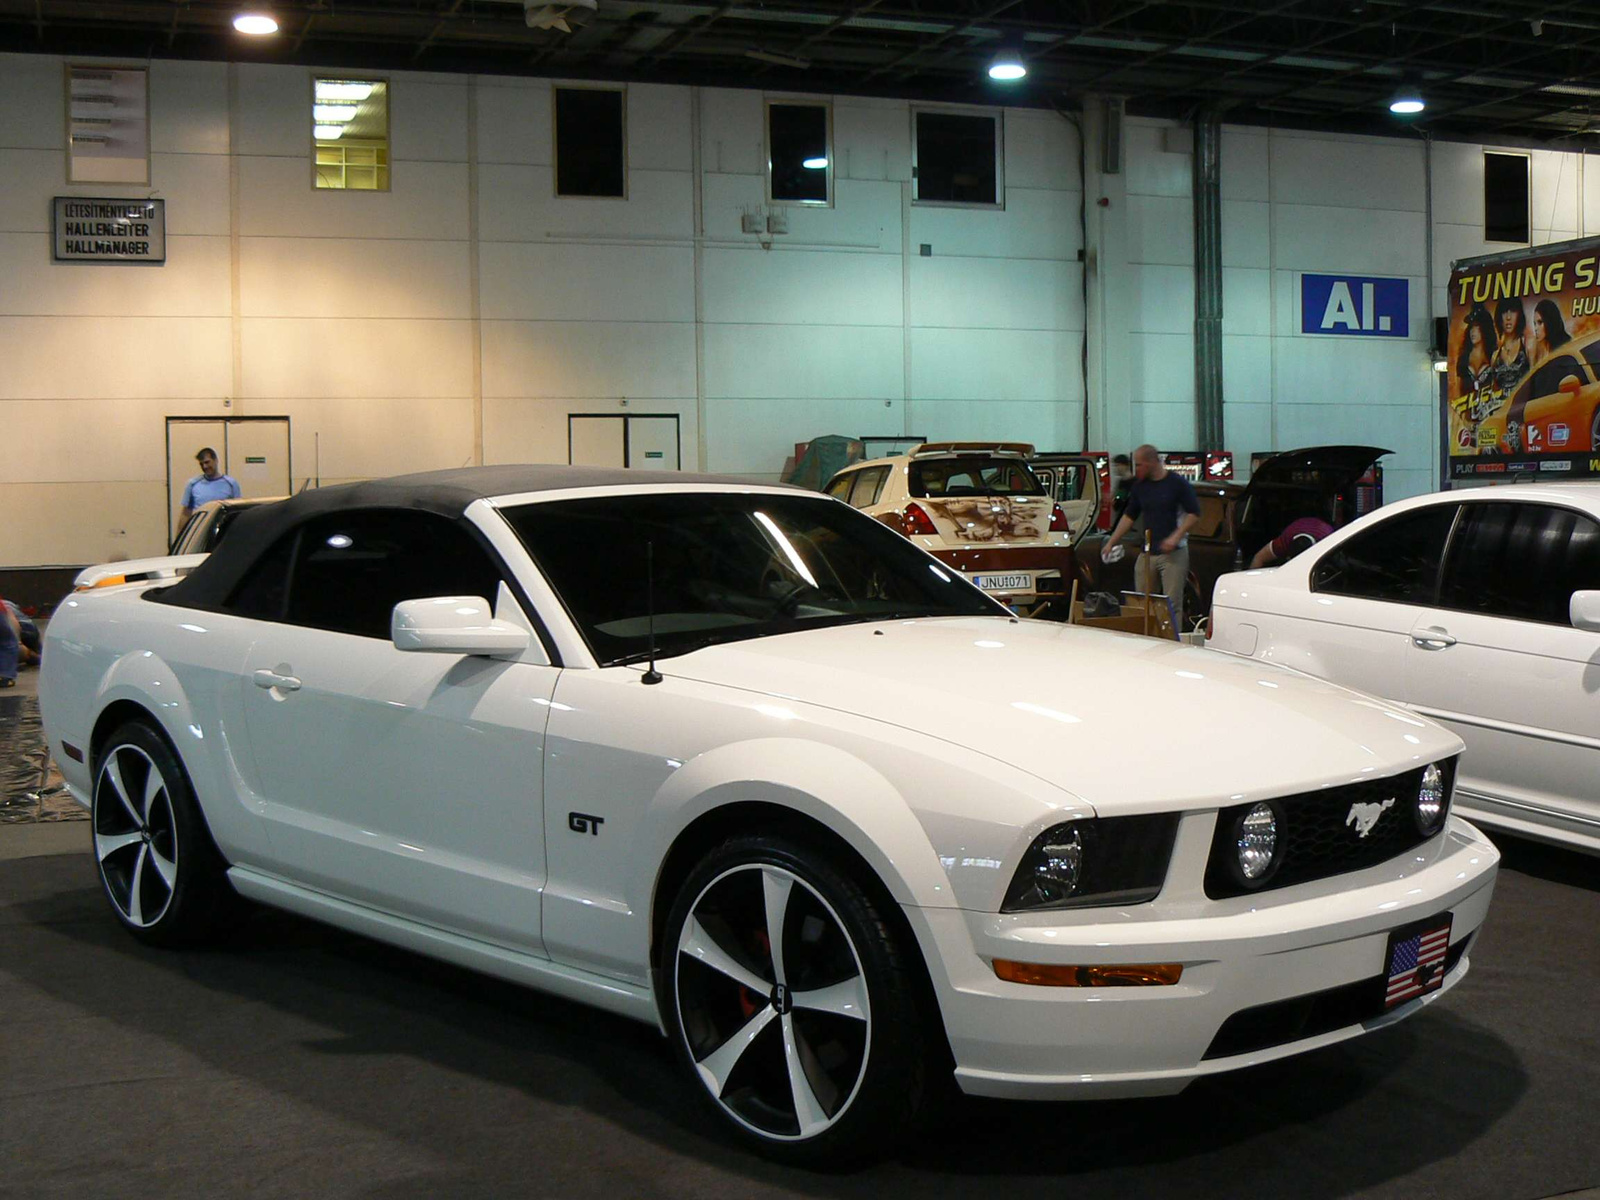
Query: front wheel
(792, 1004)
(164, 878)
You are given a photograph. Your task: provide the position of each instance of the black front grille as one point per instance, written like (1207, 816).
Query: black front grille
(1318, 836)
(1301, 1017)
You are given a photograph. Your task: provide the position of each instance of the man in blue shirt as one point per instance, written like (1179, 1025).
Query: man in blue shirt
(1167, 502)
(208, 485)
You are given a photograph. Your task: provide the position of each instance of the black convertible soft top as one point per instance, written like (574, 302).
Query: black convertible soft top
(447, 493)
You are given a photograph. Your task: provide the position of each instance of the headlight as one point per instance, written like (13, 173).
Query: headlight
(1257, 841)
(1081, 864)
(1433, 800)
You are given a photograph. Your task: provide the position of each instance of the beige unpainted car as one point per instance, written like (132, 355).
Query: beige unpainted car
(977, 507)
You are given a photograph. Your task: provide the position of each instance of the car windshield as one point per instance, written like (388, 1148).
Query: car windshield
(727, 567)
(975, 475)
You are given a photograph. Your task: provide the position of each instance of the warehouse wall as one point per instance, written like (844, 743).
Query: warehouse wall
(468, 311)
(388, 325)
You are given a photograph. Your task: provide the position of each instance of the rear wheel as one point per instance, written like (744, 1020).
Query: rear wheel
(1594, 430)
(792, 1005)
(160, 871)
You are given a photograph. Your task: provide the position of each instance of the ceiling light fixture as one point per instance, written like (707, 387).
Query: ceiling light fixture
(331, 114)
(328, 133)
(255, 24)
(342, 89)
(815, 164)
(1407, 102)
(1007, 66)
(779, 60)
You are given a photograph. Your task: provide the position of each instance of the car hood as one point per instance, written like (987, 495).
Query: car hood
(1325, 468)
(1126, 723)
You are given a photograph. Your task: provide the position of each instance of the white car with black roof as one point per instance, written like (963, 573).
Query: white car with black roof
(744, 764)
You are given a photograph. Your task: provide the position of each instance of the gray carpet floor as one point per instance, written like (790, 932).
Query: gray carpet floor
(301, 1061)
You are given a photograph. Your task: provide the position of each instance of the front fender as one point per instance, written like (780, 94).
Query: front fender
(819, 781)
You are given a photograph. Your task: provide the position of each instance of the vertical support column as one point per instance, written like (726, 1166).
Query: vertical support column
(235, 305)
(697, 168)
(473, 270)
(1208, 279)
(1109, 312)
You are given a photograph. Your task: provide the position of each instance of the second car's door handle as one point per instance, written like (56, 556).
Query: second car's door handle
(271, 679)
(1432, 639)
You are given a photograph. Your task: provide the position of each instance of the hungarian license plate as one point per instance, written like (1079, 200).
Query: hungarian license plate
(1416, 959)
(1003, 583)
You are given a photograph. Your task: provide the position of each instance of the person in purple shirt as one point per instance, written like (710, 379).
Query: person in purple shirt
(1296, 536)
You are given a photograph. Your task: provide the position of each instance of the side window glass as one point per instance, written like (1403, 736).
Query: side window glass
(261, 594)
(839, 486)
(353, 568)
(1396, 560)
(1520, 560)
(868, 485)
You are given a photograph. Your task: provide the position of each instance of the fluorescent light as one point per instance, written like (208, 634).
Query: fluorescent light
(1007, 72)
(1440, 365)
(255, 24)
(815, 164)
(342, 89)
(328, 133)
(777, 59)
(1407, 101)
(330, 114)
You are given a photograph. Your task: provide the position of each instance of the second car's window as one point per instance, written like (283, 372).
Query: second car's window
(868, 485)
(1520, 560)
(1396, 559)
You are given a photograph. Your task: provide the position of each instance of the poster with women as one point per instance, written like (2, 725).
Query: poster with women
(1523, 366)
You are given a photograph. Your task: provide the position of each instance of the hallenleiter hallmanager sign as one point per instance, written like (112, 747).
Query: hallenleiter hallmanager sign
(96, 229)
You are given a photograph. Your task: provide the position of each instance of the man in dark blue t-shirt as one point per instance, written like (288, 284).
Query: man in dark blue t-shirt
(1167, 502)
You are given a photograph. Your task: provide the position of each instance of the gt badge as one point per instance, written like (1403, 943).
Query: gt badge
(589, 823)
(1365, 816)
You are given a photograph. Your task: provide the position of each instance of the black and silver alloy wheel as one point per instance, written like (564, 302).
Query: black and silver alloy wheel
(158, 865)
(135, 835)
(792, 1004)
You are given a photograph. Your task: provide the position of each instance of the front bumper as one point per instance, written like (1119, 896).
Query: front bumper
(1314, 940)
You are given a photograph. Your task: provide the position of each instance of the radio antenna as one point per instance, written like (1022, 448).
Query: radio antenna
(652, 675)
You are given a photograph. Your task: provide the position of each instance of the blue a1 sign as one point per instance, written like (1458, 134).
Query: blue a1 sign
(1355, 305)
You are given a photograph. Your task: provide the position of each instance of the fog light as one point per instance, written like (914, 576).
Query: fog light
(1256, 837)
(1431, 800)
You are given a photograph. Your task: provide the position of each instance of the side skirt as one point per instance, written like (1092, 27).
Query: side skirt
(570, 983)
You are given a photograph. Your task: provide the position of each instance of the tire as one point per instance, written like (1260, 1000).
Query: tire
(1594, 430)
(160, 871)
(816, 1055)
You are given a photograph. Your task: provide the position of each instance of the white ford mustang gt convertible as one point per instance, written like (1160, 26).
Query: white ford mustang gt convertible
(743, 763)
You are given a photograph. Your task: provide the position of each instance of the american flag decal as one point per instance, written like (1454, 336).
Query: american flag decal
(1416, 960)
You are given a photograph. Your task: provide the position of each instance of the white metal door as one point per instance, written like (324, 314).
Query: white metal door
(258, 457)
(597, 441)
(653, 443)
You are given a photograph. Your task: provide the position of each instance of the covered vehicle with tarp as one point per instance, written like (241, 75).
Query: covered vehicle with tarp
(822, 459)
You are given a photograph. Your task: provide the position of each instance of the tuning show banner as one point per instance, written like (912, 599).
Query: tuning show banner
(1523, 391)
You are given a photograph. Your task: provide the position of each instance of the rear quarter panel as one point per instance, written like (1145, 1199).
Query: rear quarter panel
(182, 668)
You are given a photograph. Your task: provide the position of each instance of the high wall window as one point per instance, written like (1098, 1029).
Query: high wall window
(1505, 197)
(956, 158)
(108, 125)
(591, 142)
(799, 152)
(350, 133)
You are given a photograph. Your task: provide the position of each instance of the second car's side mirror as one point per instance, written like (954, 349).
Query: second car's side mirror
(454, 625)
(1584, 610)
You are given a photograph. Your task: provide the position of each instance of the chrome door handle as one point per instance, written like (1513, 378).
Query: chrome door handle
(271, 679)
(1432, 639)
